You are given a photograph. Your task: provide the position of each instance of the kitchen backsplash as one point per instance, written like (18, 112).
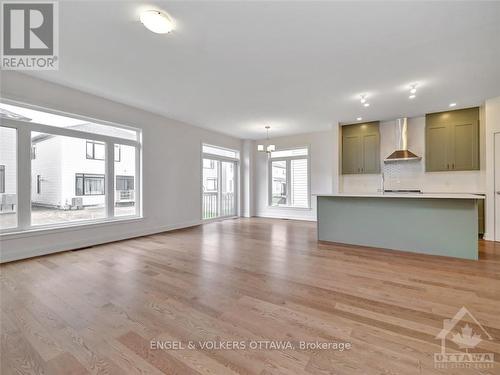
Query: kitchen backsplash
(403, 175)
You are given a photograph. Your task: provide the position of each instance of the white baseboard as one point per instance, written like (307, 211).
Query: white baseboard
(287, 217)
(18, 254)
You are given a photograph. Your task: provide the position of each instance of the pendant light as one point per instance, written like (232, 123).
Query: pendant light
(267, 147)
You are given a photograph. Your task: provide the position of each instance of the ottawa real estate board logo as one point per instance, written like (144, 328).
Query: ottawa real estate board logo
(466, 334)
(30, 35)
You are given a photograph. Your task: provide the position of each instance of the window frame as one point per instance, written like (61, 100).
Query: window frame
(217, 159)
(288, 160)
(2, 179)
(24, 178)
(83, 176)
(94, 143)
(123, 176)
(119, 159)
(38, 184)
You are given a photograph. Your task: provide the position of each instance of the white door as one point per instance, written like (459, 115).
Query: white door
(497, 187)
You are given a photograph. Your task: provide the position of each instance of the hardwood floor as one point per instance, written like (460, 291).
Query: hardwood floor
(97, 310)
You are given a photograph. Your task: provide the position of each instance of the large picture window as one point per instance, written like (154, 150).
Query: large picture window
(289, 178)
(68, 159)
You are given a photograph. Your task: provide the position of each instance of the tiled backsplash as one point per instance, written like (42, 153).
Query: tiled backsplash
(403, 174)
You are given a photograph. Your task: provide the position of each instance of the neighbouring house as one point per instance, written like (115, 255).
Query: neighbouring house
(67, 172)
(8, 169)
(70, 172)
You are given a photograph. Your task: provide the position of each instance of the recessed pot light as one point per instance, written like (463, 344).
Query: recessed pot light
(366, 104)
(412, 96)
(359, 118)
(453, 104)
(156, 21)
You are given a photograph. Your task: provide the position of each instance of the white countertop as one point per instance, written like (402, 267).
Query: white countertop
(405, 195)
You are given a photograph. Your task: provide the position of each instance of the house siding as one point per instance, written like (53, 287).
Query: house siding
(47, 164)
(8, 158)
(74, 160)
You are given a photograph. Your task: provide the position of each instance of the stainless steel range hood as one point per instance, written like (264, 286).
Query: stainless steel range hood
(402, 153)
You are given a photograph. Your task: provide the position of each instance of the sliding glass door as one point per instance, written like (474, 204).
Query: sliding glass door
(227, 196)
(219, 197)
(219, 185)
(210, 189)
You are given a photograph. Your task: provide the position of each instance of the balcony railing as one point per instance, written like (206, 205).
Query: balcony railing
(211, 207)
(124, 195)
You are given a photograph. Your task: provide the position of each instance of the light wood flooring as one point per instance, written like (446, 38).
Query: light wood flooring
(96, 310)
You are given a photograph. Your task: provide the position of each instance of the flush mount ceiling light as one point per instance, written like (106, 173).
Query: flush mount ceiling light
(270, 147)
(359, 118)
(453, 104)
(362, 99)
(413, 91)
(156, 21)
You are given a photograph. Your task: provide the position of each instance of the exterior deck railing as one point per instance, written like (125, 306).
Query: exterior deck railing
(210, 205)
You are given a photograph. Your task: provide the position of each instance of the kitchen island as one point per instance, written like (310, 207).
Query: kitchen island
(437, 224)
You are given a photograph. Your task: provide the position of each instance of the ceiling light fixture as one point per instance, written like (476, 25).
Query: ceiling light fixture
(413, 91)
(270, 147)
(362, 98)
(366, 104)
(359, 118)
(453, 104)
(156, 21)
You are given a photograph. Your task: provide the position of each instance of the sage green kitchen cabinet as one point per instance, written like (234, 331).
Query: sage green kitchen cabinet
(361, 148)
(452, 140)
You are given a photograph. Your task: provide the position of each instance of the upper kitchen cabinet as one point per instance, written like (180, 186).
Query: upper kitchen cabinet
(361, 148)
(452, 140)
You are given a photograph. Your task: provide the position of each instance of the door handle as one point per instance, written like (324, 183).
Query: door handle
(498, 192)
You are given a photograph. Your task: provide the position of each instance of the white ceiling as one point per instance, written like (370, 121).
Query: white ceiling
(297, 66)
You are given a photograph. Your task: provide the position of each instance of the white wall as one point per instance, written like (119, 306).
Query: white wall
(248, 178)
(171, 167)
(492, 117)
(320, 145)
(411, 174)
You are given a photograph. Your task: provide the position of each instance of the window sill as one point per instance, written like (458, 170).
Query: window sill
(45, 230)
